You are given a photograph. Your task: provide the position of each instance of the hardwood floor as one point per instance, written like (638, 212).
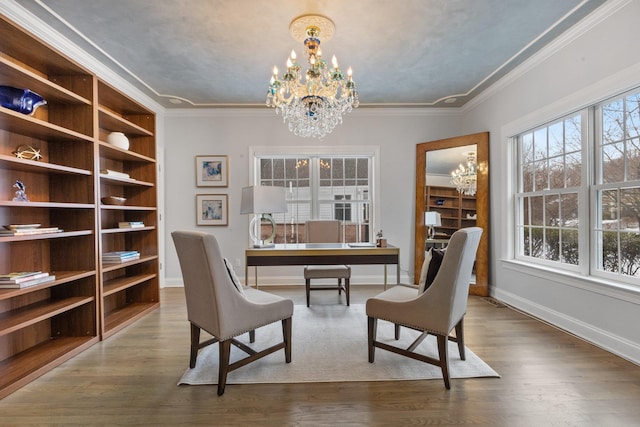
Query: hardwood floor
(548, 378)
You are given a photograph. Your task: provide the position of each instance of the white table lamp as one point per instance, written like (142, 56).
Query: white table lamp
(432, 220)
(262, 201)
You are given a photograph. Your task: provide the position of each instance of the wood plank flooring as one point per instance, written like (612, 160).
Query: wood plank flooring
(548, 378)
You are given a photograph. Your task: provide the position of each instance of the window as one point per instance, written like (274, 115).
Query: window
(582, 215)
(617, 189)
(321, 186)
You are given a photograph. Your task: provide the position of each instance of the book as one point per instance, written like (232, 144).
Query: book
(131, 224)
(120, 256)
(33, 282)
(21, 276)
(29, 231)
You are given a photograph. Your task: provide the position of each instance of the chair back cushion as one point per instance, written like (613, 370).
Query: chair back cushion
(323, 231)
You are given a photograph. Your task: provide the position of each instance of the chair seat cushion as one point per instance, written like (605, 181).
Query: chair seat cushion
(327, 272)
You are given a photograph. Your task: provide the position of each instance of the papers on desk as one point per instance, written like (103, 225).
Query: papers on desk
(362, 245)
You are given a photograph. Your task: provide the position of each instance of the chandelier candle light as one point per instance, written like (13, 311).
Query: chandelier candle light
(315, 106)
(465, 178)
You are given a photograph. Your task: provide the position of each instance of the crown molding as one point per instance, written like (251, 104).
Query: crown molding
(585, 25)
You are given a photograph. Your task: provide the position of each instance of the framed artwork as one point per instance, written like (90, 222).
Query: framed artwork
(212, 209)
(212, 171)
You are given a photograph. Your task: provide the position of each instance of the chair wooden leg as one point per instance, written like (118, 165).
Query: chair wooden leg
(286, 334)
(460, 339)
(372, 329)
(195, 345)
(307, 283)
(252, 336)
(443, 341)
(340, 287)
(225, 353)
(396, 331)
(347, 290)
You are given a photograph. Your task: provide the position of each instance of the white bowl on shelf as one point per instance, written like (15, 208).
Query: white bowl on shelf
(119, 140)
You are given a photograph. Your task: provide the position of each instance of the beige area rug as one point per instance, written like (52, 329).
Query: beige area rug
(329, 345)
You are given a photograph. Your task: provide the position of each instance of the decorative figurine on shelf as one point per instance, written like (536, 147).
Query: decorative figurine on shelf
(21, 195)
(27, 152)
(381, 242)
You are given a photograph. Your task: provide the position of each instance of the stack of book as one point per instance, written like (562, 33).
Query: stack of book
(119, 256)
(23, 279)
(131, 224)
(27, 229)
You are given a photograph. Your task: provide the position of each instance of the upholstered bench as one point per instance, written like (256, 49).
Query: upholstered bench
(327, 272)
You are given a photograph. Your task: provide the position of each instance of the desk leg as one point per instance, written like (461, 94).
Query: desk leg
(256, 275)
(246, 273)
(398, 271)
(385, 277)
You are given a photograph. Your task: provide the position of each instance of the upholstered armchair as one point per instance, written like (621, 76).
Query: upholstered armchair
(224, 308)
(437, 311)
(326, 231)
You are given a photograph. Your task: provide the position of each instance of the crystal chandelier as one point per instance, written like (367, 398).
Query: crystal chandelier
(465, 178)
(313, 107)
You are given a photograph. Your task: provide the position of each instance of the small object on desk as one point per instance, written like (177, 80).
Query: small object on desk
(361, 245)
(381, 242)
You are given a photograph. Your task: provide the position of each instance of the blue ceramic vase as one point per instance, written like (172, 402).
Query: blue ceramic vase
(21, 100)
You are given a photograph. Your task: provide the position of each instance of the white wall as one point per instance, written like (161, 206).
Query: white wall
(596, 60)
(231, 132)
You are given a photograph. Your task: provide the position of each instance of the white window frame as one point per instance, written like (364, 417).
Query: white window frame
(372, 151)
(588, 238)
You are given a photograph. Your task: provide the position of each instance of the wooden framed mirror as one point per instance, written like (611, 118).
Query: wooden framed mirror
(435, 160)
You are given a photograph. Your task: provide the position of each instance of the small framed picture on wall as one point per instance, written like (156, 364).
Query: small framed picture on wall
(212, 209)
(212, 171)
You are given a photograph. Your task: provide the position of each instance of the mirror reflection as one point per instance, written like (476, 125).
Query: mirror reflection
(452, 193)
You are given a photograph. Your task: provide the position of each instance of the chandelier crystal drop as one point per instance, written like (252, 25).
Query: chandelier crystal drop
(313, 107)
(464, 178)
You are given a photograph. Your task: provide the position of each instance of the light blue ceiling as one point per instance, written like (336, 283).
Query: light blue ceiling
(221, 52)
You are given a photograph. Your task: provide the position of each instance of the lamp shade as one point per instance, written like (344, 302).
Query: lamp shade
(263, 199)
(432, 219)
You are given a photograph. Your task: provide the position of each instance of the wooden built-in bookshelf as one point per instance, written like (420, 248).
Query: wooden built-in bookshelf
(43, 325)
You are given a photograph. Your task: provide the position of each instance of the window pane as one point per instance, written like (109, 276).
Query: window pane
(540, 143)
(633, 159)
(266, 169)
(630, 254)
(613, 162)
(526, 148)
(526, 202)
(552, 236)
(609, 209)
(556, 172)
(537, 210)
(278, 169)
(573, 134)
(573, 169)
(609, 260)
(541, 175)
(612, 122)
(527, 177)
(337, 169)
(570, 250)
(556, 139)
(569, 210)
(633, 115)
(630, 208)
(552, 210)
